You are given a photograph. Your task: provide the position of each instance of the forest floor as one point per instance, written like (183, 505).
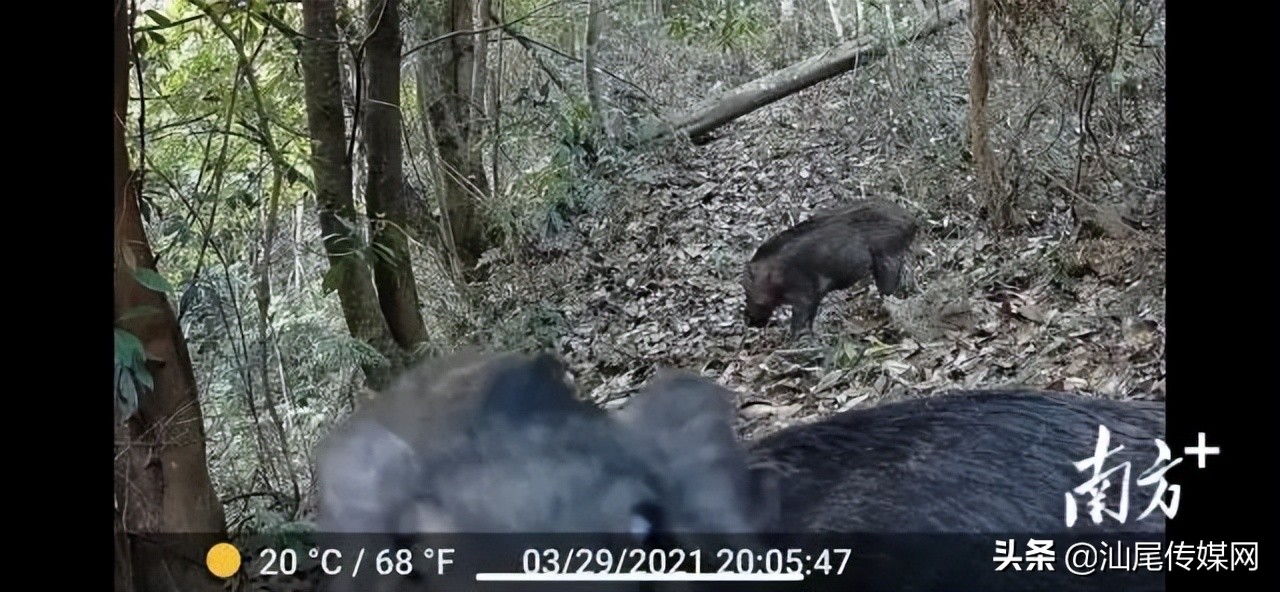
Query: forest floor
(1070, 301)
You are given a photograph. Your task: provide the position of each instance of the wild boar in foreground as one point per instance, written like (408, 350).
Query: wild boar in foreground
(498, 443)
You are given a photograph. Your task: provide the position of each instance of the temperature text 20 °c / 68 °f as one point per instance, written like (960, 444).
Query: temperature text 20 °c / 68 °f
(383, 562)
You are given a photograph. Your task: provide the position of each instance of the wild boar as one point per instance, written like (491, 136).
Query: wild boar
(498, 443)
(833, 250)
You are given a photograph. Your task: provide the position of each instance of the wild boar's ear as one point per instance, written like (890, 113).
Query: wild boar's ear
(687, 416)
(523, 387)
(684, 426)
(363, 469)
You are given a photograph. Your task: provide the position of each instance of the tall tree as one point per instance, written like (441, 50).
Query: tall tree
(997, 203)
(591, 76)
(450, 81)
(348, 268)
(162, 483)
(384, 194)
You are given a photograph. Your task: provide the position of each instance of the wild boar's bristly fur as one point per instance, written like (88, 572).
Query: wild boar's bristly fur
(833, 250)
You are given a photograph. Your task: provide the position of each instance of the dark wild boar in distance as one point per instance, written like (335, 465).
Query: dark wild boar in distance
(498, 443)
(833, 250)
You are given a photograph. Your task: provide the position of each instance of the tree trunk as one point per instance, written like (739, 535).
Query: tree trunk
(348, 272)
(997, 203)
(162, 483)
(479, 21)
(859, 21)
(710, 115)
(835, 19)
(569, 39)
(591, 76)
(786, 34)
(384, 195)
(450, 78)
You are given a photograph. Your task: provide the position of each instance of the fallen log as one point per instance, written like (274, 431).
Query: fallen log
(715, 112)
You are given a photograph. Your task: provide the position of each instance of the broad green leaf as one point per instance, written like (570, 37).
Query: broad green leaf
(152, 280)
(160, 19)
(126, 394)
(129, 353)
(156, 38)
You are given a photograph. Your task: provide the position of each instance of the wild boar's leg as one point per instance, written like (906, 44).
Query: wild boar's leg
(803, 310)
